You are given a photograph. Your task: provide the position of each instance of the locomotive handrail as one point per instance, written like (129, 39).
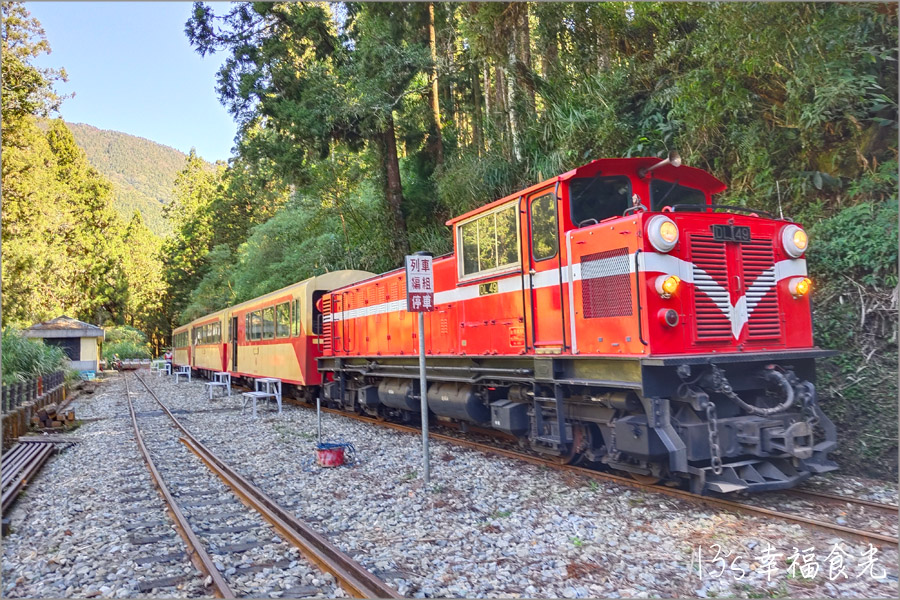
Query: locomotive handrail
(751, 211)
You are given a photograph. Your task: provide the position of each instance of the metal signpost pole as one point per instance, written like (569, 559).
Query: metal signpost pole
(420, 299)
(319, 419)
(423, 394)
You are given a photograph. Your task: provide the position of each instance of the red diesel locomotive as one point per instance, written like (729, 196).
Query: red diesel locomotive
(614, 315)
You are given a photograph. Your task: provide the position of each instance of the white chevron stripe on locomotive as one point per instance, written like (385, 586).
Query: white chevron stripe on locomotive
(649, 262)
(738, 313)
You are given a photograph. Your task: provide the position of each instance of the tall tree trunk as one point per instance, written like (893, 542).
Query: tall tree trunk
(393, 191)
(502, 116)
(435, 101)
(477, 131)
(514, 113)
(523, 36)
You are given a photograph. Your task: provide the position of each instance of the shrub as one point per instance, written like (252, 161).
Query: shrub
(24, 358)
(125, 341)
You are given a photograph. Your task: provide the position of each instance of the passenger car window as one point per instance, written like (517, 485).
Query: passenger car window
(598, 198)
(268, 321)
(255, 325)
(283, 320)
(544, 232)
(489, 243)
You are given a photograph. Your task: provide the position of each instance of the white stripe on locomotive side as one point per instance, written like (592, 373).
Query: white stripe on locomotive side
(648, 262)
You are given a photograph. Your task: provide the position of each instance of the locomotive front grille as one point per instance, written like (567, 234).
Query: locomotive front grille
(754, 262)
(710, 265)
(758, 261)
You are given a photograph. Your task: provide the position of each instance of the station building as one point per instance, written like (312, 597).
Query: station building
(79, 340)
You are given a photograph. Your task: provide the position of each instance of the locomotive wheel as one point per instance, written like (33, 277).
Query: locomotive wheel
(576, 448)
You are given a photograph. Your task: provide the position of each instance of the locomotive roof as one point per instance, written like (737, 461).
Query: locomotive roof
(691, 176)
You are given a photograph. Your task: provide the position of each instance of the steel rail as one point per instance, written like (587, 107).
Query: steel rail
(201, 559)
(353, 577)
(20, 472)
(836, 498)
(732, 505)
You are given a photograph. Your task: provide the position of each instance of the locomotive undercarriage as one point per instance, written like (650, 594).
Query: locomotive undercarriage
(728, 426)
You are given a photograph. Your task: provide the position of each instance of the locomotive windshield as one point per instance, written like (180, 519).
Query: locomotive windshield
(670, 193)
(598, 198)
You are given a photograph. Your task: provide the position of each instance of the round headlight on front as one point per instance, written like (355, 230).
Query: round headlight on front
(662, 232)
(794, 240)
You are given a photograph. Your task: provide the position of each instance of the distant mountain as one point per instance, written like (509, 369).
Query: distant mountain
(142, 172)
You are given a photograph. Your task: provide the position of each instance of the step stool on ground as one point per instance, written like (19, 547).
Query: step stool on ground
(271, 388)
(223, 380)
(184, 371)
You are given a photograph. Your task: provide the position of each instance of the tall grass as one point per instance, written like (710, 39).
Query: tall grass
(24, 358)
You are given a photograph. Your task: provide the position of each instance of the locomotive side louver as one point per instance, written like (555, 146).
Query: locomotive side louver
(606, 284)
(326, 322)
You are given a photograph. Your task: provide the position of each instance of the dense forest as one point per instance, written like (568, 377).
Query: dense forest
(364, 126)
(142, 172)
(65, 248)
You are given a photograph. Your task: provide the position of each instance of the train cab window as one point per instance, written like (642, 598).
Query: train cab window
(247, 329)
(255, 325)
(283, 320)
(268, 323)
(670, 193)
(295, 328)
(593, 199)
(544, 232)
(490, 242)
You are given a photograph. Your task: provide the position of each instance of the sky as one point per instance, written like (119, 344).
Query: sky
(132, 69)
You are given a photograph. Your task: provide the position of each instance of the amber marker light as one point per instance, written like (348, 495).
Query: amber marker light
(799, 286)
(666, 285)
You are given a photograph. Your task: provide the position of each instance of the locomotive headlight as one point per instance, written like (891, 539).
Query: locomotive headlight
(663, 233)
(666, 285)
(799, 286)
(794, 240)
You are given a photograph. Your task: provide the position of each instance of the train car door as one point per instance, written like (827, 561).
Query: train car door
(233, 331)
(547, 333)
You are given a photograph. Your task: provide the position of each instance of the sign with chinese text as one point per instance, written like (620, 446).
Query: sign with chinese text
(419, 284)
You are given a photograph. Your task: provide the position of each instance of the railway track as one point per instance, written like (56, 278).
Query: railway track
(749, 508)
(212, 505)
(841, 500)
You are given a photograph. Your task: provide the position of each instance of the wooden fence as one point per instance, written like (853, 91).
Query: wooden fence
(21, 401)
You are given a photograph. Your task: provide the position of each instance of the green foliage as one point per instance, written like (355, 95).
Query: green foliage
(124, 333)
(24, 358)
(126, 342)
(142, 172)
(27, 89)
(853, 264)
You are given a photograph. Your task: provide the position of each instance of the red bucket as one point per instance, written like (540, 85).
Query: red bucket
(330, 457)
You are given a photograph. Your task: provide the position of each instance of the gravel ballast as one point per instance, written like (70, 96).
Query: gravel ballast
(488, 526)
